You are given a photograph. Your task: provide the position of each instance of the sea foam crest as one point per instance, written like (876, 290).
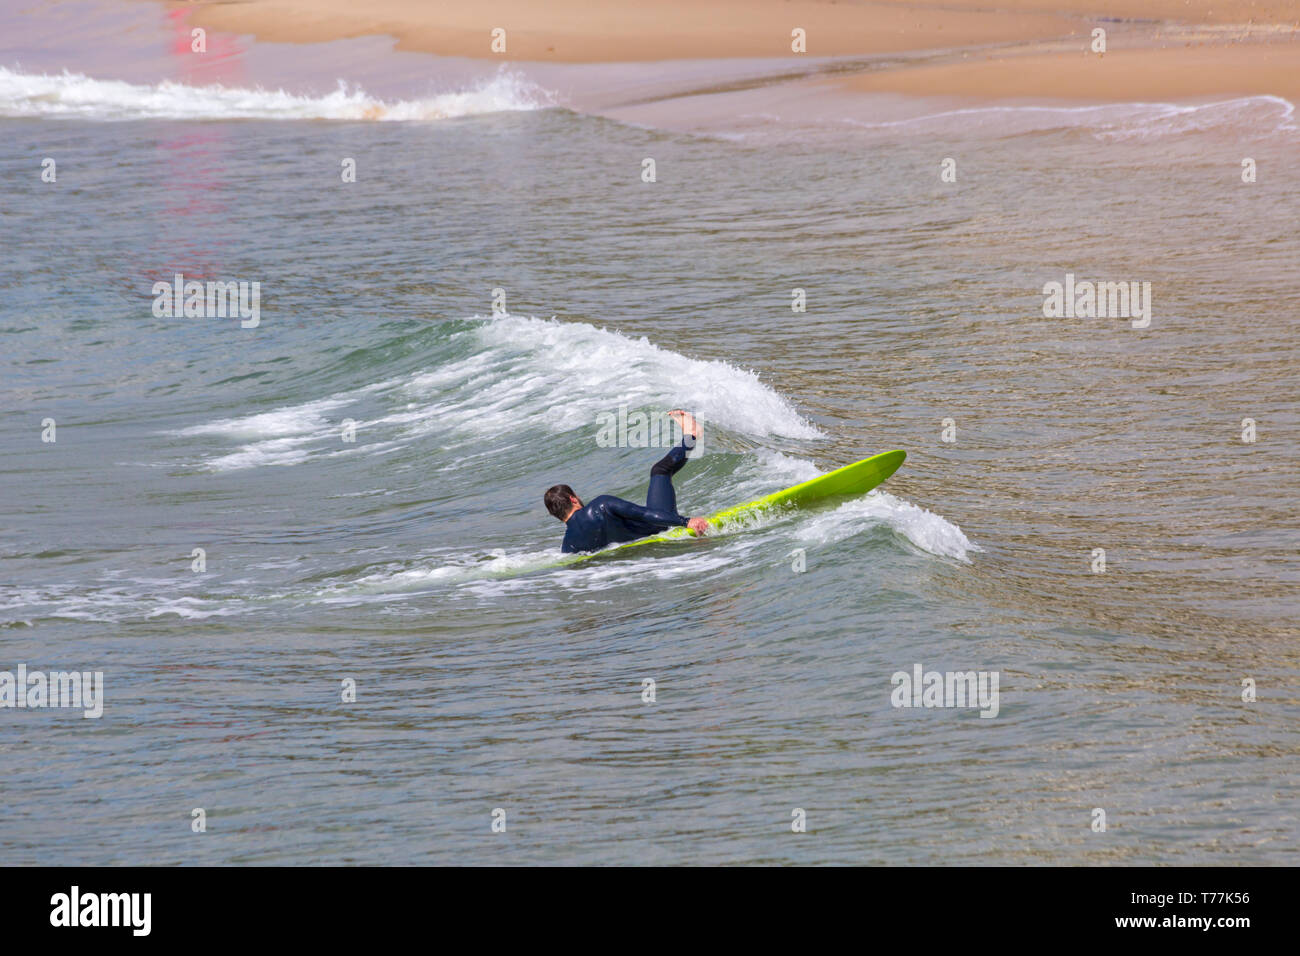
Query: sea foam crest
(74, 95)
(544, 373)
(515, 376)
(926, 530)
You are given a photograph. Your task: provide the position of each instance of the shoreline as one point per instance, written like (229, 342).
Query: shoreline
(628, 31)
(1165, 49)
(874, 77)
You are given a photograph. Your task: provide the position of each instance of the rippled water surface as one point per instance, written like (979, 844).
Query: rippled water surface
(417, 560)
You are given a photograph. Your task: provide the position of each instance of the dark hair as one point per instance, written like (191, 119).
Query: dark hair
(557, 500)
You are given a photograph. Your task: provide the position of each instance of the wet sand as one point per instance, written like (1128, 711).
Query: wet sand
(1041, 48)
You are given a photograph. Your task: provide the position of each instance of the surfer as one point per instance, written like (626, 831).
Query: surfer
(609, 520)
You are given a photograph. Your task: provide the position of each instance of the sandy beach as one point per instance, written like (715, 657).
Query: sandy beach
(1021, 48)
(1143, 72)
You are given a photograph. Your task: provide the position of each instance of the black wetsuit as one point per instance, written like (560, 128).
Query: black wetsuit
(609, 520)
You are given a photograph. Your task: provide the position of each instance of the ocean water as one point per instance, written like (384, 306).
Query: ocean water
(418, 561)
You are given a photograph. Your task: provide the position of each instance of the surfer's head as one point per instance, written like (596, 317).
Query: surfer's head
(561, 501)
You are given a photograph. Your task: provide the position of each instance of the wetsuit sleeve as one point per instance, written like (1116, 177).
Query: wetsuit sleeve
(634, 512)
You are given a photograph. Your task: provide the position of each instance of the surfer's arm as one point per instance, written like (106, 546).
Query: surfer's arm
(633, 512)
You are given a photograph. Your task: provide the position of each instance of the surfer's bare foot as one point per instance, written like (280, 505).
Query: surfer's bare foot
(697, 525)
(687, 422)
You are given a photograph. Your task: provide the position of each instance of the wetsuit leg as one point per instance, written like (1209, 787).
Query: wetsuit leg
(661, 496)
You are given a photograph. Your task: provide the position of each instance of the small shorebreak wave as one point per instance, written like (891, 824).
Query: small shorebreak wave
(76, 96)
(501, 379)
(488, 384)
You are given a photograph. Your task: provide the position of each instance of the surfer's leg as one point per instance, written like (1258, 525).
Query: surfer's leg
(662, 496)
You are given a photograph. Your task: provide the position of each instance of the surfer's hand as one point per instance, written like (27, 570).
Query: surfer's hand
(698, 525)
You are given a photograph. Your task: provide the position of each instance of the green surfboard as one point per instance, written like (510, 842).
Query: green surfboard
(855, 479)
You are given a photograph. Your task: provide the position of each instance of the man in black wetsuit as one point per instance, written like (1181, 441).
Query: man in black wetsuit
(609, 520)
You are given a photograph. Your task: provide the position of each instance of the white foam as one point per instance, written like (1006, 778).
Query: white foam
(930, 532)
(304, 419)
(127, 600)
(1117, 121)
(192, 609)
(396, 579)
(766, 471)
(495, 562)
(82, 97)
(521, 375)
(278, 451)
(530, 373)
